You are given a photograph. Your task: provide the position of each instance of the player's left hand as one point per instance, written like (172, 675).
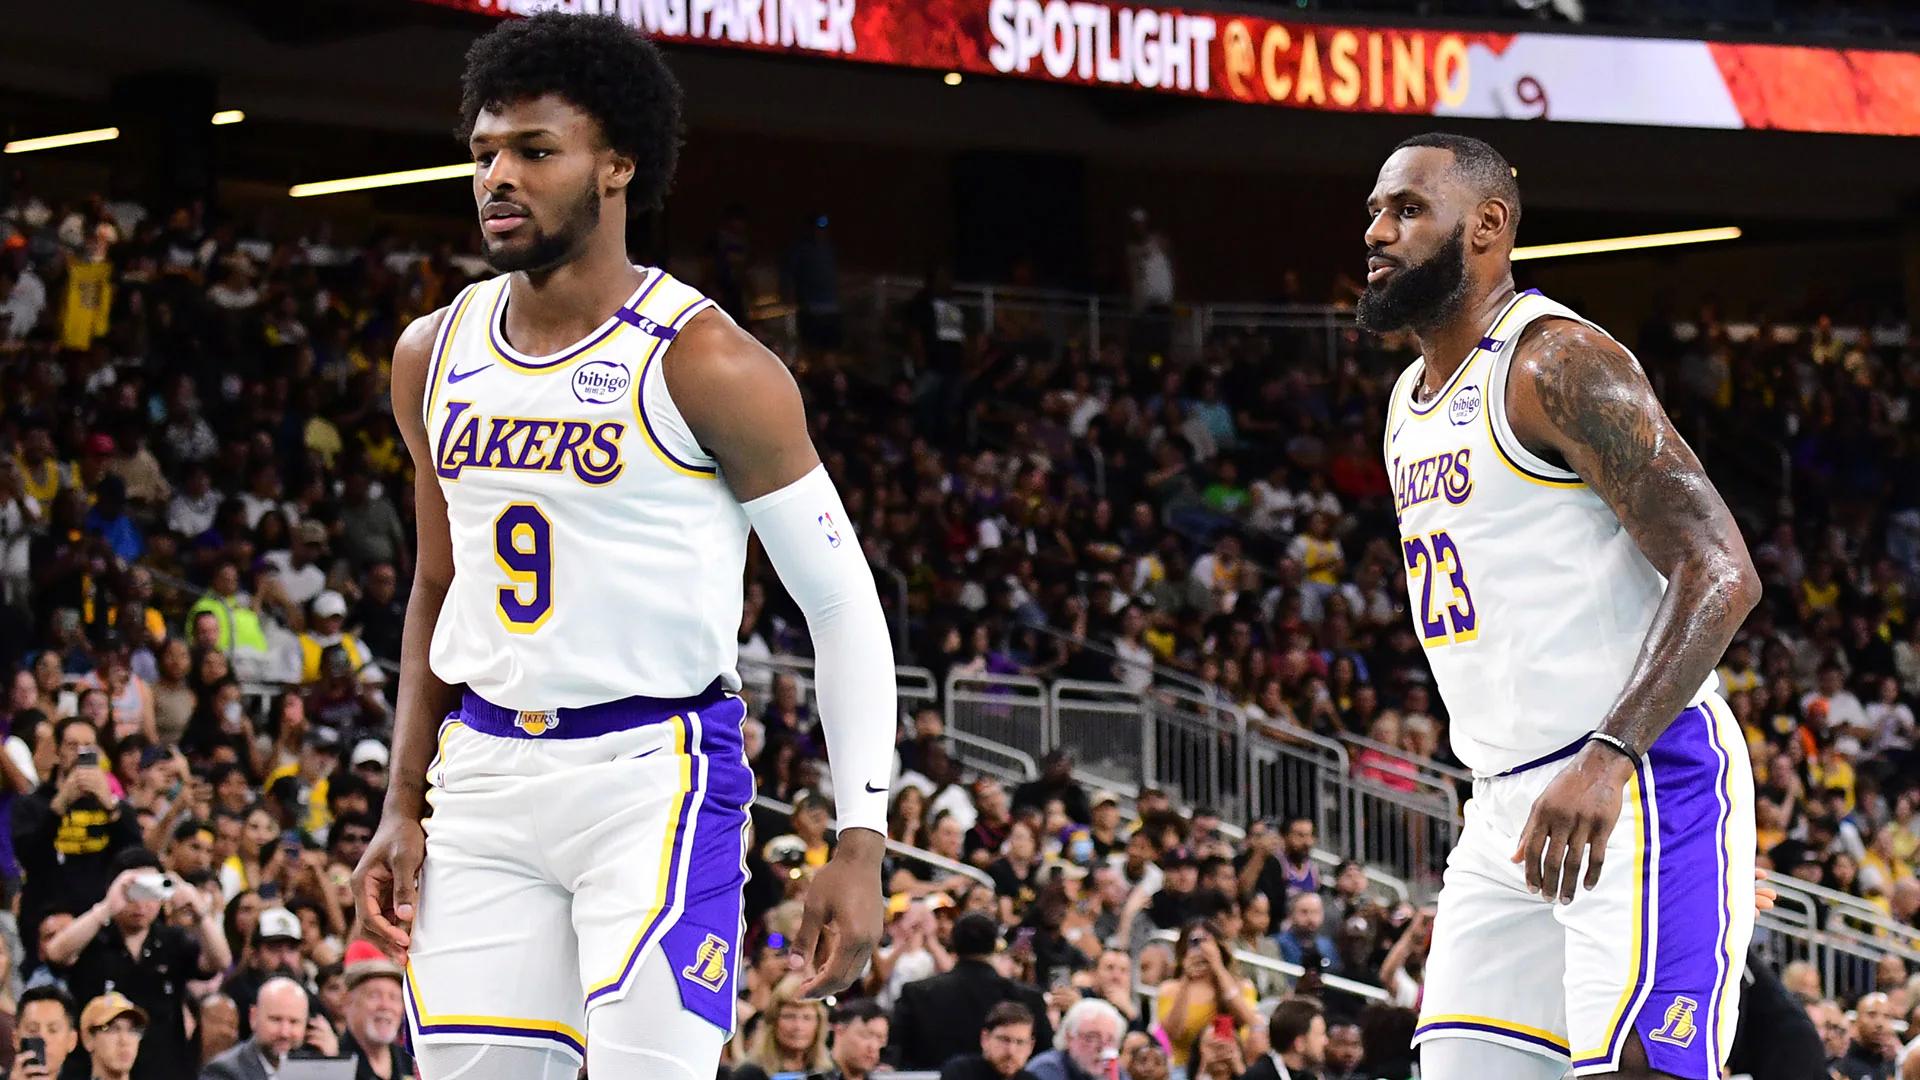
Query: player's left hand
(1572, 818)
(840, 922)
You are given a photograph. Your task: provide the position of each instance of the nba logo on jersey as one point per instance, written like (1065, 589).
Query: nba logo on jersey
(1464, 406)
(709, 967)
(537, 722)
(826, 526)
(1679, 1029)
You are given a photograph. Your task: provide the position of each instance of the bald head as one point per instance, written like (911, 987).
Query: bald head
(280, 1016)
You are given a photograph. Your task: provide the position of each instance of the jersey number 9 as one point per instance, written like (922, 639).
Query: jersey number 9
(523, 548)
(1428, 557)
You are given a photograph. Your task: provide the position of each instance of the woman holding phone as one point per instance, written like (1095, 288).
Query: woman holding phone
(1206, 987)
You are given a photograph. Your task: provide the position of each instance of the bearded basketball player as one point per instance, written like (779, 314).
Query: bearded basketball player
(1575, 578)
(592, 441)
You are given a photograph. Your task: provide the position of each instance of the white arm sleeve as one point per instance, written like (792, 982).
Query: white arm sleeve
(810, 542)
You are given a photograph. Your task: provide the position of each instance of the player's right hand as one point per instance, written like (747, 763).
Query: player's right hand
(386, 884)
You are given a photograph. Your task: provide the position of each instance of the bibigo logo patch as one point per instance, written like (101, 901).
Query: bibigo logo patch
(601, 382)
(1464, 406)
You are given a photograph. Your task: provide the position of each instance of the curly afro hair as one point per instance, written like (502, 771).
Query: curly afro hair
(599, 64)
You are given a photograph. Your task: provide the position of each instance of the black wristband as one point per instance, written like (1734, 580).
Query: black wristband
(1617, 745)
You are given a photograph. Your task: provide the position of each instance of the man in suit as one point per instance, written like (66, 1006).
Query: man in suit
(279, 1025)
(1298, 1032)
(939, 1018)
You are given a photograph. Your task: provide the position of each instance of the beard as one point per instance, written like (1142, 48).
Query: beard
(543, 250)
(1420, 295)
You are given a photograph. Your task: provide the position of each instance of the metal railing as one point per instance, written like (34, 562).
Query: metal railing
(1846, 960)
(1293, 773)
(1291, 971)
(897, 847)
(992, 758)
(1007, 709)
(1419, 765)
(1201, 750)
(1055, 317)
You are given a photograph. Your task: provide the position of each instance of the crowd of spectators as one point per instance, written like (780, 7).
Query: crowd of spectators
(205, 516)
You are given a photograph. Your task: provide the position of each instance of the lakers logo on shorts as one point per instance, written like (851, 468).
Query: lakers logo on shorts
(709, 967)
(1679, 1029)
(537, 723)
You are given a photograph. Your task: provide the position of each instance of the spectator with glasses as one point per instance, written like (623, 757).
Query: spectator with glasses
(1006, 1042)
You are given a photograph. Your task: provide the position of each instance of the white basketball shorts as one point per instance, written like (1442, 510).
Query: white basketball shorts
(1657, 947)
(562, 849)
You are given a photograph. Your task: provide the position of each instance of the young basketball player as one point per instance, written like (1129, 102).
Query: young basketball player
(1575, 578)
(592, 442)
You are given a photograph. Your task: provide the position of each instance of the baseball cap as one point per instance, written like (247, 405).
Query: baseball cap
(785, 849)
(109, 1007)
(369, 751)
(323, 738)
(312, 532)
(1102, 798)
(364, 961)
(99, 444)
(277, 924)
(329, 604)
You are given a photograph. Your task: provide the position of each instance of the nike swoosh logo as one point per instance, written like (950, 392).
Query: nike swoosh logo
(456, 376)
(642, 753)
(876, 790)
(1390, 438)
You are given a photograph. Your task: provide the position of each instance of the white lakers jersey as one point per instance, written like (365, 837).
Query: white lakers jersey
(596, 552)
(1530, 597)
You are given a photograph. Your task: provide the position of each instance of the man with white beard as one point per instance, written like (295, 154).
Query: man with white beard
(374, 1014)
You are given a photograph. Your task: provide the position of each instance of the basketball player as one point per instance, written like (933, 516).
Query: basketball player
(1575, 578)
(592, 441)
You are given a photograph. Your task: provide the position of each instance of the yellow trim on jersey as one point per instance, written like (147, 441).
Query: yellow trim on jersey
(565, 359)
(667, 845)
(1453, 381)
(639, 381)
(1500, 451)
(438, 367)
(1629, 991)
(1497, 1024)
(512, 1023)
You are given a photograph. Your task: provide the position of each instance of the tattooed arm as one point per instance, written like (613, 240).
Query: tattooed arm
(1577, 395)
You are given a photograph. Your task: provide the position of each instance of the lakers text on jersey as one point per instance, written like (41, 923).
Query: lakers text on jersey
(596, 553)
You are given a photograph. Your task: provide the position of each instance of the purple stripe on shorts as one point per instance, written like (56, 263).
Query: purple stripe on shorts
(1465, 1025)
(706, 969)
(1676, 1022)
(416, 1029)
